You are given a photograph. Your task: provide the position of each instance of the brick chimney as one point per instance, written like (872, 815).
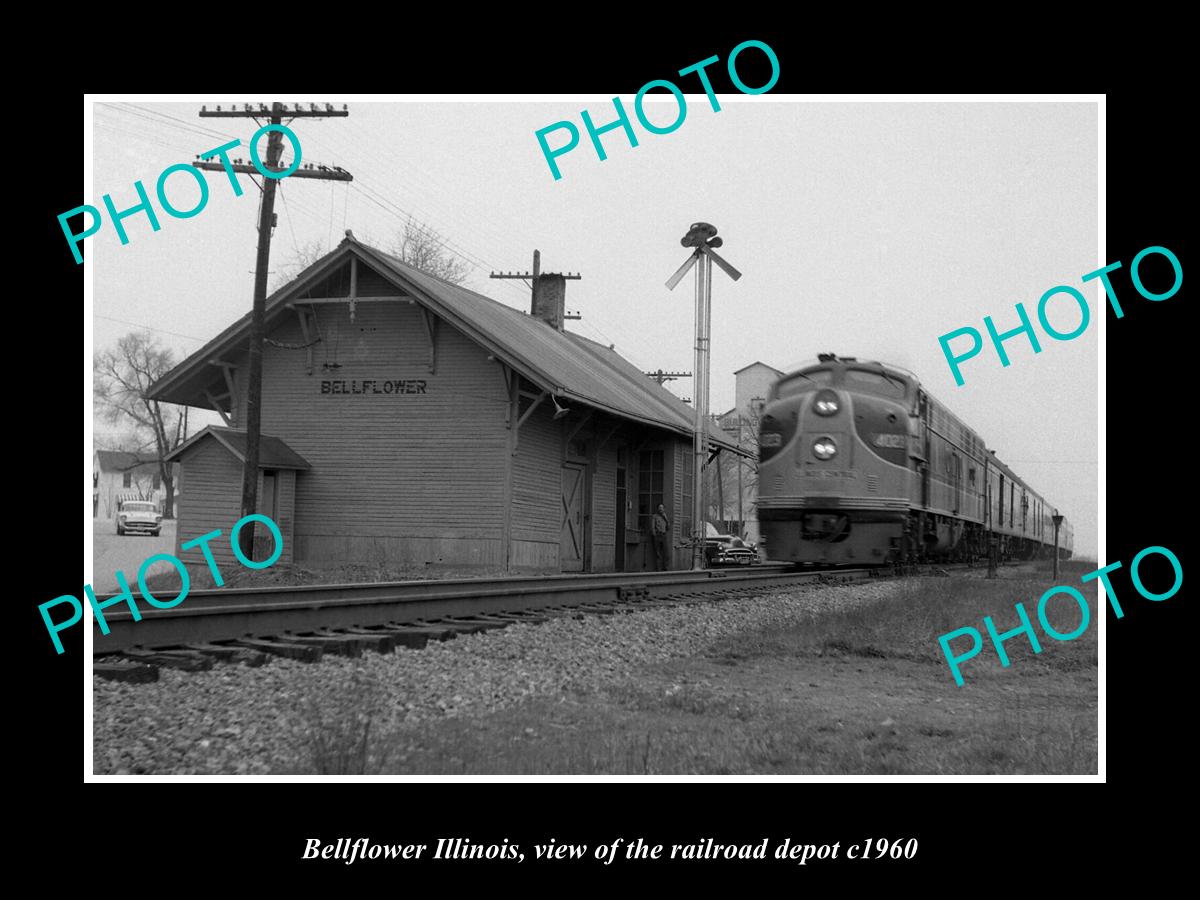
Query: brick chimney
(549, 299)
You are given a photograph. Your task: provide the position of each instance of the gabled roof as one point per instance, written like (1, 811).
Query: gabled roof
(753, 364)
(567, 365)
(124, 461)
(273, 453)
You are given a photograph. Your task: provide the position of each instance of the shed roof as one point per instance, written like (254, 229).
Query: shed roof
(273, 452)
(568, 365)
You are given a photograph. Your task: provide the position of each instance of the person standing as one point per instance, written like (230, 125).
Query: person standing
(660, 527)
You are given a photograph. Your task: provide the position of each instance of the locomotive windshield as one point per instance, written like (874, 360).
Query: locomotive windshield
(867, 381)
(874, 382)
(803, 381)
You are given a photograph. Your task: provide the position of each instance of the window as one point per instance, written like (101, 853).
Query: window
(650, 485)
(875, 383)
(127, 481)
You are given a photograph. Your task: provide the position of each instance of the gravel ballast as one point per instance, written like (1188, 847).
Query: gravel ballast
(239, 720)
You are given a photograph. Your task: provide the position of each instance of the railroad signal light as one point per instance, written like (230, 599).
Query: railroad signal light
(703, 238)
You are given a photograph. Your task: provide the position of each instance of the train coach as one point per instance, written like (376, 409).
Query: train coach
(858, 464)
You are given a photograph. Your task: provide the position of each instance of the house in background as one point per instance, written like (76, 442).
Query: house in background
(118, 475)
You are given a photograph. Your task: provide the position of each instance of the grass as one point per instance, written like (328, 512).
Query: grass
(342, 729)
(858, 691)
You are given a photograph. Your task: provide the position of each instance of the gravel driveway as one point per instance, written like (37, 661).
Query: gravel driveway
(126, 553)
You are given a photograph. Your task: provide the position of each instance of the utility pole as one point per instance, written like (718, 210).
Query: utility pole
(535, 274)
(533, 283)
(266, 222)
(660, 376)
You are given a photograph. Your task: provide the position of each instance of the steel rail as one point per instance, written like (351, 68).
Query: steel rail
(233, 613)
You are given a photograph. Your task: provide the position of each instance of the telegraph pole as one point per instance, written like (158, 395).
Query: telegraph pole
(660, 376)
(535, 275)
(266, 221)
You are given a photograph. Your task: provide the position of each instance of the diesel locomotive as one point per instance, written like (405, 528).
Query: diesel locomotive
(859, 465)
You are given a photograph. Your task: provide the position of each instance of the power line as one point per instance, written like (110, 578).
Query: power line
(190, 337)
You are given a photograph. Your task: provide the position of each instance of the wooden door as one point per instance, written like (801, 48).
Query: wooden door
(572, 540)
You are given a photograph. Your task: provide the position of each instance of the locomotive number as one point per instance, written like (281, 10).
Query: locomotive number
(770, 439)
(891, 440)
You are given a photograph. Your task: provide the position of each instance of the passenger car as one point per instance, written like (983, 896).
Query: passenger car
(139, 517)
(728, 550)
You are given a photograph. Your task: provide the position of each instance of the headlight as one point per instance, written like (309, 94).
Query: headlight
(121, 517)
(824, 448)
(157, 518)
(826, 403)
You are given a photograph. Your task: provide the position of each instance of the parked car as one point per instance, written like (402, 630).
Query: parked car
(728, 550)
(139, 517)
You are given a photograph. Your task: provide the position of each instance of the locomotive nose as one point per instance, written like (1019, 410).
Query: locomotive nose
(825, 443)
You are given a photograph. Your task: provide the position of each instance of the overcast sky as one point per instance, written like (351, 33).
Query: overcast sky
(863, 229)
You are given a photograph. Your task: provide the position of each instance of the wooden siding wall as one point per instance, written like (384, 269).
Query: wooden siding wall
(604, 504)
(217, 504)
(214, 502)
(537, 490)
(285, 486)
(682, 465)
(410, 478)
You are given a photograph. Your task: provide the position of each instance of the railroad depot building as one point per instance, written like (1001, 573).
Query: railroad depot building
(409, 421)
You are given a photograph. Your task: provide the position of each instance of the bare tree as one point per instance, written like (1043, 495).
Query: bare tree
(421, 247)
(416, 244)
(122, 376)
(301, 259)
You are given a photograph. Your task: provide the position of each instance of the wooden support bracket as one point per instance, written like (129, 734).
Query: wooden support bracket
(217, 406)
(308, 350)
(431, 327)
(583, 420)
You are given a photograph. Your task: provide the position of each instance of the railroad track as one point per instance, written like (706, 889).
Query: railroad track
(306, 621)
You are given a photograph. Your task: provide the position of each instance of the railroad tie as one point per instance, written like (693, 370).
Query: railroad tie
(302, 652)
(418, 635)
(251, 658)
(379, 641)
(187, 660)
(530, 618)
(470, 625)
(560, 612)
(131, 672)
(341, 644)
